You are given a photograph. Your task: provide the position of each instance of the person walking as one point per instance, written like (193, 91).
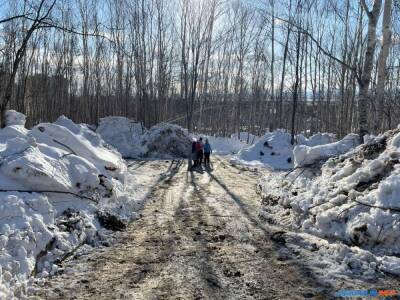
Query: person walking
(199, 151)
(207, 153)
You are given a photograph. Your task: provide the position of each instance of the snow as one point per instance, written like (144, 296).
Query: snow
(245, 137)
(390, 264)
(352, 199)
(166, 140)
(316, 139)
(132, 140)
(315, 150)
(40, 226)
(224, 145)
(123, 134)
(15, 118)
(275, 151)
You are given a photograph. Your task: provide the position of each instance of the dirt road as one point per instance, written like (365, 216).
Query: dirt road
(199, 238)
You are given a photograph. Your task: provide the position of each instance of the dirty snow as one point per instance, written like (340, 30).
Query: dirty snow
(166, 140)
(69, 177)
(352, 200)
(132, 140)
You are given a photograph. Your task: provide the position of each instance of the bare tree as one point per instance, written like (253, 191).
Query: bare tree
(382, 71)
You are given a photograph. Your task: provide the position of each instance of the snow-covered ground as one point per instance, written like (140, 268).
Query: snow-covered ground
(60, 188)
(351, 203)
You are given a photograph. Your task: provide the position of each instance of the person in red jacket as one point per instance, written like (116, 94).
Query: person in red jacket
(199, 151)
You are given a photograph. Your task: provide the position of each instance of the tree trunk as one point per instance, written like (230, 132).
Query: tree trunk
(382, 72)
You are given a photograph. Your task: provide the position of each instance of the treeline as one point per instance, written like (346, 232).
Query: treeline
(210, 65)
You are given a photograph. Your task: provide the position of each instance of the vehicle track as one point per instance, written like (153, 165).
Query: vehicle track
(199, 237)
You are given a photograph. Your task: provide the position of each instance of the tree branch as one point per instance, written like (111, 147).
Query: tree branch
(394, 209)
(13, 18)
(319, 46)
(46, 191)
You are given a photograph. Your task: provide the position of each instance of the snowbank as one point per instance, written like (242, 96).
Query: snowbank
(72, 183)
(132, 140)
(15, 118)
(224, 145)
(316, 139)
(166, 140)
(312, 152)
(353, 198)
(245, 137)
(273, 150)
(123, 134)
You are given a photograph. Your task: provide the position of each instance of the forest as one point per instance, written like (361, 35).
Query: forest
(212, 66)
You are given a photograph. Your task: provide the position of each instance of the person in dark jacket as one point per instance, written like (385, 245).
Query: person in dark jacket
(207, 153)
(199, 151)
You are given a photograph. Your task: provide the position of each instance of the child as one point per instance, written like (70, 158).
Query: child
(207, 153)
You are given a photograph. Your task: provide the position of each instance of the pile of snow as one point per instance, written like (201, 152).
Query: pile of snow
(273, 150)
(123, 134)
(316, 139)
(353, 199)
(166, 140)
(132, 140)
(245, 137)
(15, 118)
(312, 152)
(224, 145)
(58, 184)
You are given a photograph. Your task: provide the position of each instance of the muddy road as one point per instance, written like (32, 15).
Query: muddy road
(199, 237)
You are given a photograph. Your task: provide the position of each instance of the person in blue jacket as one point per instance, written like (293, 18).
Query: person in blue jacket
(207, 153)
